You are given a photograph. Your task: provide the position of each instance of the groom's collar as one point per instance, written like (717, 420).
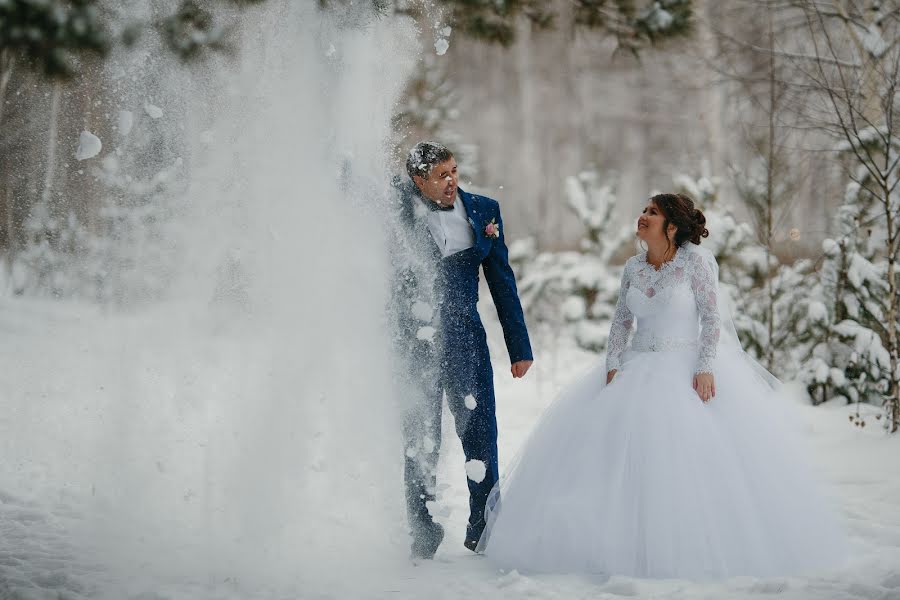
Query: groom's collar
(468, 200)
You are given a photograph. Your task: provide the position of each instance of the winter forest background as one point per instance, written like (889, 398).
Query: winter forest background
(776, 116)
(189, 178)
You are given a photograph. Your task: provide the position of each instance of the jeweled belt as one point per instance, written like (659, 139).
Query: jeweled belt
(652, 343)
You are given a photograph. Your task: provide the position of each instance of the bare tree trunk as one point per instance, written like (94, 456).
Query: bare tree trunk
(871, 109)
(7, 63)
(11, 241)
(770, 203)
(712, 93)
(52, 142)
(6, 70)
(527, 93)
(893, 400)
(873, 113)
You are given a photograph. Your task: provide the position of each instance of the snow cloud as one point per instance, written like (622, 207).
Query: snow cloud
(153, 111)
(89, 146)
(422, 311)
(426, 334)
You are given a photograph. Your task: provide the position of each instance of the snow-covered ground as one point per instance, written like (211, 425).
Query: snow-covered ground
(103, 420)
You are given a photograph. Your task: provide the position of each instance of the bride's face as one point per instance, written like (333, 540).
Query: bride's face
(650, 224)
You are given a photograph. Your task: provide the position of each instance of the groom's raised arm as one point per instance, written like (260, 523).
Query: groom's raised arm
(502, 282)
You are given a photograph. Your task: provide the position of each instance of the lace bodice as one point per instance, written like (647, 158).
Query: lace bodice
(675, 308)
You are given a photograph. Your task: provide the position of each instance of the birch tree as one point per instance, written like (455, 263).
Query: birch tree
(852, 65)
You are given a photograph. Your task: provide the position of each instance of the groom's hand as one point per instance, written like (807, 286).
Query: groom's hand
(519, 369)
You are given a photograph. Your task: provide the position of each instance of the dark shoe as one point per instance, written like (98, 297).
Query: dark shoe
(471, 544)
(426, 540)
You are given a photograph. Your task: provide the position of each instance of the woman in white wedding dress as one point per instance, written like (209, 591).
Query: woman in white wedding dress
(674, 460)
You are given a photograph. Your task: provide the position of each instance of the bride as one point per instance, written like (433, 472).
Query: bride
(677, 463)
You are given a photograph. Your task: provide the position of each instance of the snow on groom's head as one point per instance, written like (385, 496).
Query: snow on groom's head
(433, 169)
(424, 156)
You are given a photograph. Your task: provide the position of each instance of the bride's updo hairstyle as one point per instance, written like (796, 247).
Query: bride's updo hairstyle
(679, 210)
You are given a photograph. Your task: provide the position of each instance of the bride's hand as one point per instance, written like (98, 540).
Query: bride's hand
(610, 375)
(705, 386)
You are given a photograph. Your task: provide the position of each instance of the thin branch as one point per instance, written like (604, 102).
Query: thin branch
(6, 70)
(863, 185)
(794, 55)
(856, 136)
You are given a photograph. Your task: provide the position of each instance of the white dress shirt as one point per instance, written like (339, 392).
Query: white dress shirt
(451, 229)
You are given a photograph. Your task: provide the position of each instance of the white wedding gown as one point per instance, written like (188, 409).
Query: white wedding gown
(641, 478)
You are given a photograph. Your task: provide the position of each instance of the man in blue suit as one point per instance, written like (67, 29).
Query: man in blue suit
(446, 236)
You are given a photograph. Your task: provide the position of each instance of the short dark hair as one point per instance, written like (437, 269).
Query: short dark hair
(424, 156)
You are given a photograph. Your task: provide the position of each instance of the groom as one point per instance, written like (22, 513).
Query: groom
(448, 236)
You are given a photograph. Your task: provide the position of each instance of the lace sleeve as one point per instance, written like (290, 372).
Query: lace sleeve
(704, 286)
(621, 324)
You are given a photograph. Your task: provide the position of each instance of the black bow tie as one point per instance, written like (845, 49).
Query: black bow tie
(432, 205)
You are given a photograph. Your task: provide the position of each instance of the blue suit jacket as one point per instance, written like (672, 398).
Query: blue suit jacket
(457, 280)
(493, 257)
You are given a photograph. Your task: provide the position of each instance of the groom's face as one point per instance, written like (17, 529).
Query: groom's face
(440, 186)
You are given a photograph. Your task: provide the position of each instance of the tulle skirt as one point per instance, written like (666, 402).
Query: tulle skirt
(641, 478)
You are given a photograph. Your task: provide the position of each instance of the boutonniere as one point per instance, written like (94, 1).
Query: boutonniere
(492, 230)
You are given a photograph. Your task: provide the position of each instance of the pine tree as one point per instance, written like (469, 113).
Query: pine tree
(575, 291)
(861, 97)
(851, 357)
(634, 25)
(52, 36)
(43, 263)
(129, 259)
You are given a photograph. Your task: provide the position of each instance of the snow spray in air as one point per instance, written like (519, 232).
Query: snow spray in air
(250, 433)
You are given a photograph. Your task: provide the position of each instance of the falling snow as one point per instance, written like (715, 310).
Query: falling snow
(475, 470)
(89, 146)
